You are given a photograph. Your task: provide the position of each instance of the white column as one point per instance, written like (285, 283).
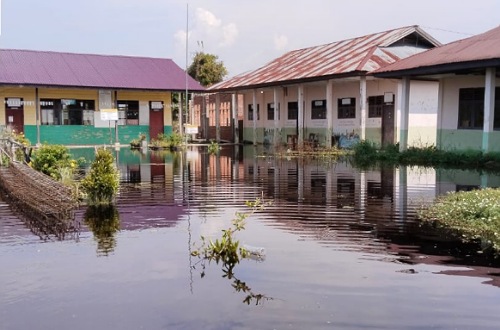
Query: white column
(440, 114)
(300, 115)
(329, 113)
(254, 106)
(362, 106)
(234, 110)
(217, 117)
(405, 111)
(489, 107)
(276, 140)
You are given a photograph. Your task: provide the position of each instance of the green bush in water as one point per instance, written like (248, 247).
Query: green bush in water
(102, 182)
(473, 215)
(50, 159)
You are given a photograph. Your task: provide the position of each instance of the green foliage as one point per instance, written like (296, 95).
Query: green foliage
(206, 69)
(51, 159)
(470, 214)
(166, 141)
(213, 147)
(228, 252)
(367, 154)
(136, 143)
(102, 182)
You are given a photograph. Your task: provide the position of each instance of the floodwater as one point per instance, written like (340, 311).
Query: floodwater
(342, 250)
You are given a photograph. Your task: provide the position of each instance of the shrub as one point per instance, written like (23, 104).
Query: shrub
(102, 182)
(471, 214)
(51, 159)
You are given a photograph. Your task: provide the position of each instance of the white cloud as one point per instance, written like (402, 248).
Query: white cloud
(280, 42)
(230, 32)
(180, 36)
(207, 18)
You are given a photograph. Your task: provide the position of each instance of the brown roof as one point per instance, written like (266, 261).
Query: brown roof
(479, 51)
(343, 58)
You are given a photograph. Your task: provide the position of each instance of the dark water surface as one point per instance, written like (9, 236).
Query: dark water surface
(342, 251)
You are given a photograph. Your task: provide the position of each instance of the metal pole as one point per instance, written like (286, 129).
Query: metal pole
(187, 39)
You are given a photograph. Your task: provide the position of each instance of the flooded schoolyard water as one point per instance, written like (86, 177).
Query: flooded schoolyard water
(342, 251)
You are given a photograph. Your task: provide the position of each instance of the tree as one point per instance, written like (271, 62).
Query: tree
(207, 69)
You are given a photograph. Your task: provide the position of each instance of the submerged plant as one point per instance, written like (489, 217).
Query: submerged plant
(102, 182)
(213, 147)
(228, 251)
(472, 215)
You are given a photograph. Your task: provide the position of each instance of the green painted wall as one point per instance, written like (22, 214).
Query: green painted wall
(374, 135)
(248, 134)
(460, 139)
(86, 135)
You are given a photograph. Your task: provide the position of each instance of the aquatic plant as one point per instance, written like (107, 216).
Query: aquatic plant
(50, 159)
(213, 147)
(228, 251)
(163, 141)
(137, 142)
(102, 182)
(471, 215)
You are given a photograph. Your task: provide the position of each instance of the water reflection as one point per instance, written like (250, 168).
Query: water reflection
(104, 222)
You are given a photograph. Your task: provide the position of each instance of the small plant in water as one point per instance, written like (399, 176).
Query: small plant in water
(102, 182)
(213, 147)
(228, 251)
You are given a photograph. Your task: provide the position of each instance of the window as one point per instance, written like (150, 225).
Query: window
(318, 109)
(375, 106)
(293, 110)
(67, 112)
(471, 108)
(250, 112)
(47, 108)
(270, 111)
(128, 112)
(347, 108)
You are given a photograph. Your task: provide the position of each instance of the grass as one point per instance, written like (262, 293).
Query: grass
(472, 215)
(368, 154)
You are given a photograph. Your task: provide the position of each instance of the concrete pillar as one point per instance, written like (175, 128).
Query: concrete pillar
(254, 106)
(276, 137)
(38, 116)
(300, 116)
(217, 117)
(329, 113)
(489, 107)
(440, 114)
(234, 110)
(362, 106)
(405, 111)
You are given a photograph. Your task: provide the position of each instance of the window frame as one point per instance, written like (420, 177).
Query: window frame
(375, 106)
(346, 111)
(294, 105)
(318, 111)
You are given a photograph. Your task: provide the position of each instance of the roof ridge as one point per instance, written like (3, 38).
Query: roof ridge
(353, 38)
(79, 53)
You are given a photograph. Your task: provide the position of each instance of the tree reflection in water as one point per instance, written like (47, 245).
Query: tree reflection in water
(104, 222)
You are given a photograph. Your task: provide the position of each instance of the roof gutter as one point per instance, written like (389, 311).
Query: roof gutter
(439, 69)
(287, 82)
(97, 87)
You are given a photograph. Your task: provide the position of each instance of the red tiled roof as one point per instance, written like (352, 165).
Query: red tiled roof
(479, 48)
(43, 68)
(363, 54)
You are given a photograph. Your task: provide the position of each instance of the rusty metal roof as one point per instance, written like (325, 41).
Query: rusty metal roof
(43, 68)
(348, 57)
(478, 51)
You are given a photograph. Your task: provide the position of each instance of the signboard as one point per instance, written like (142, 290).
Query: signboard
(191, 129)
(109, 114)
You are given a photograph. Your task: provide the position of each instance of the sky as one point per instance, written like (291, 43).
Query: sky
(244, 34)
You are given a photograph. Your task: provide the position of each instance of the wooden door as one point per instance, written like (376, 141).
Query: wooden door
(156, 124)
(14, 114)
(388, 124)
